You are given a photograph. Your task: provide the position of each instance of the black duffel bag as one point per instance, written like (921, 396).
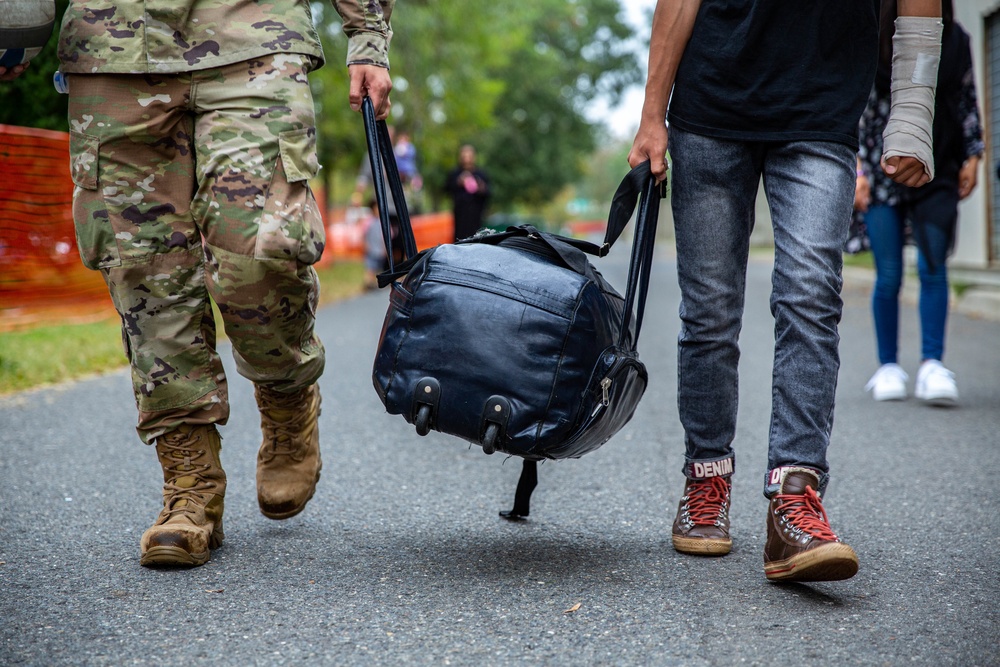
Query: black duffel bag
(513, 340)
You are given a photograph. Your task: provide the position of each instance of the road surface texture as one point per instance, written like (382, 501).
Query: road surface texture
(401, 559)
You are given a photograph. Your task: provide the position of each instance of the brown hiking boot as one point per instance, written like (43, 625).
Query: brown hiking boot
(190, 524)
(701, 527)
(801, 546)
(288, 463)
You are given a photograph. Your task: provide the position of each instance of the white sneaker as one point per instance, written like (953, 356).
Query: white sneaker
(888, 383)
(936, 384)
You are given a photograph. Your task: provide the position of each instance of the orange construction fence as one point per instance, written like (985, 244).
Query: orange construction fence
(41, 277)
(345, 237)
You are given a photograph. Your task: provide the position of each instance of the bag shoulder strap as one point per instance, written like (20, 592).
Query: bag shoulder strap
(381, 156)
(639, 184)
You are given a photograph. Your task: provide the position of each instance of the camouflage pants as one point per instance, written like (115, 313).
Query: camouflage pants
(195, 185)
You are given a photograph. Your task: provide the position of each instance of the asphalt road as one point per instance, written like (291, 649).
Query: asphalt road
(401, 558)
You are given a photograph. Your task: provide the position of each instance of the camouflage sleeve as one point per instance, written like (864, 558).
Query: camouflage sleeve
(366, 24)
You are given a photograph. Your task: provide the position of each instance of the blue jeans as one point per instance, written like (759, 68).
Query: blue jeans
(810, 192)
(885, 230)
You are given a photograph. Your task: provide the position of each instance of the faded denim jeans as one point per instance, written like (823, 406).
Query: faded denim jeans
(810, 191)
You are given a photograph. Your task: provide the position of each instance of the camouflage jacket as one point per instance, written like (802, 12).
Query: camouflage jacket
(139, 36)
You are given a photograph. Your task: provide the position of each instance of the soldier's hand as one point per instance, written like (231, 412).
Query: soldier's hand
(908, 171)
(373, 81)
(650, 144)
(11, 73)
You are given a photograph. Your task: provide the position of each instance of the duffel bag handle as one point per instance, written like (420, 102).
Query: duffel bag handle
(638, 183)
(381, 155)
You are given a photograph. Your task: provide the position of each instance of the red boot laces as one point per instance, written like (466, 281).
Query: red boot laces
(707, 499)
(805, 512)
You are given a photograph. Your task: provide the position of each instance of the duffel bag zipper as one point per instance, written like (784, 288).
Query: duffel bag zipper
(605, 396)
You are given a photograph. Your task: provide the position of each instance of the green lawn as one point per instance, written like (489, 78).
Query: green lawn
(51, 354)
(862, 259)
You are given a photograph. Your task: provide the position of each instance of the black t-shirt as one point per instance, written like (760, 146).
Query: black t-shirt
(777, 70)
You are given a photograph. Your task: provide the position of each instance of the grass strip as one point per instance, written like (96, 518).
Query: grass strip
(47, 355)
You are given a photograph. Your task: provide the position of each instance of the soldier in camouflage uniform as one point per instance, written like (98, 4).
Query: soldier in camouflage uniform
(192, 144)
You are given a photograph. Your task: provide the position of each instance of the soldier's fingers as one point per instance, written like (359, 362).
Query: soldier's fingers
(356, 91)
(379, 84)
(374, 82)
(383, 107)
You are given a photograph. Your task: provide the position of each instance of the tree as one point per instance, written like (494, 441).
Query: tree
(443, 55)
(513, 83)
(31, 100)
(541, 136)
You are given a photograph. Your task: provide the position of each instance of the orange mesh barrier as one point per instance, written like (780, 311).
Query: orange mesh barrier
(345, 232)
(41, 277)
(433, 229)
(42, 280)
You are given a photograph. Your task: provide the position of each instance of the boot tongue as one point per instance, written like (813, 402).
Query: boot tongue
(280, 415)
(797, 479)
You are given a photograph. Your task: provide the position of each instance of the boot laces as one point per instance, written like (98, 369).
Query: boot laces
(707, 501)
(286, 436)
(178, 449)
(805, 514)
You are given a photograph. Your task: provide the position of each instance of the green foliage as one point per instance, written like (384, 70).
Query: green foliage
(48, 355)
(513, 83)
(31, 100)
(541, 139)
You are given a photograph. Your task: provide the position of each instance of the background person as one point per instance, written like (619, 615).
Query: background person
(469, 188)
(375, 260)
(928, 214)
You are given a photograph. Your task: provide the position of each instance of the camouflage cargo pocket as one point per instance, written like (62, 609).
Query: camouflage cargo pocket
(291, 226)
(94, 236)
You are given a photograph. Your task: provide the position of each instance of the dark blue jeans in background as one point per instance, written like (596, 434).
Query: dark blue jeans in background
(885, 231)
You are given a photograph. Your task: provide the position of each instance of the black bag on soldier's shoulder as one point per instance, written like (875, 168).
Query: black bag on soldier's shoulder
(513, 340)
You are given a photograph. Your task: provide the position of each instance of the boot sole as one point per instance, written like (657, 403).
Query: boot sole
(702, 546)
(829, 562)
(173, 556)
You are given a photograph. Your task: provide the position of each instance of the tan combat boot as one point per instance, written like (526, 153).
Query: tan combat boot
(288, 463)
(190, 524)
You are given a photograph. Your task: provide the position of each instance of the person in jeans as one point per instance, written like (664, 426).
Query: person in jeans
(930, 212)
(768, 90)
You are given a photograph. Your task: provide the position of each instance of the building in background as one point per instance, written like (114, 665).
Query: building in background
(978, 242)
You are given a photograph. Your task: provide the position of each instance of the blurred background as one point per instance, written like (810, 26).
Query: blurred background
(548, 94)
